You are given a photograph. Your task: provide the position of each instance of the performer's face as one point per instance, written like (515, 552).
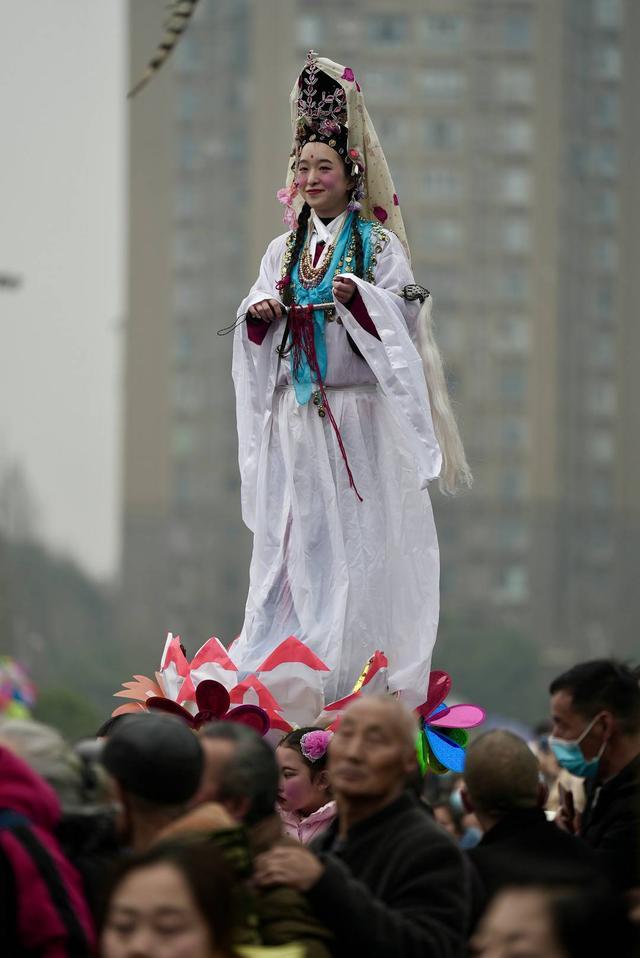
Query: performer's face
(300, 790)
(322, 179)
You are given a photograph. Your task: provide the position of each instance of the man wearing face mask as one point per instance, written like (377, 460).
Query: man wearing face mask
(595, 709)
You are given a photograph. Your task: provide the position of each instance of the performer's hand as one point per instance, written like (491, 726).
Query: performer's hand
(343, 289)
(288, 865)
(267, 310)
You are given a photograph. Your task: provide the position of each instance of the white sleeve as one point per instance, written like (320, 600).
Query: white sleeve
(394, 358)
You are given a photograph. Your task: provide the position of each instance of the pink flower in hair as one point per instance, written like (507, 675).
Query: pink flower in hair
(286, 196)
(313, 745)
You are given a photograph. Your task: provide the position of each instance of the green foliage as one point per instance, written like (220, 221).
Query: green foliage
(67, 711)
(60, 623)
(497, 668)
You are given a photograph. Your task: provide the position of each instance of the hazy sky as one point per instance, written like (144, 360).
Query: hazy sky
(62, 161)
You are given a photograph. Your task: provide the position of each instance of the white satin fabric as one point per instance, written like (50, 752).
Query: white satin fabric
(345, 577)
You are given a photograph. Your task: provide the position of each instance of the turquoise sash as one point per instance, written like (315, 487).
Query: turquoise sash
(301, 376)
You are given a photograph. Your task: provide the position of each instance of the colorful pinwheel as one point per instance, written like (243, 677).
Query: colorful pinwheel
(443, 736)
(17, 691)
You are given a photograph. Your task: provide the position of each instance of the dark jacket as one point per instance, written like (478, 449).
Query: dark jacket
(284, 914)
(396, 887)
(611, 825)
(523, 846)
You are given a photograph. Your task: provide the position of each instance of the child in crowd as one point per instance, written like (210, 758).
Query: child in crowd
(304, 798)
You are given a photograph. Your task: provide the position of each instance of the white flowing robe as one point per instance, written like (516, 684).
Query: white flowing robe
(346, 577)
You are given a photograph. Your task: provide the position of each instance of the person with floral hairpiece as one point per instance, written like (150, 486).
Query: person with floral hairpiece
(342, 410)
(305, 803)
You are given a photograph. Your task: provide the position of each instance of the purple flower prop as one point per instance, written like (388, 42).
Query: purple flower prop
(313, 745)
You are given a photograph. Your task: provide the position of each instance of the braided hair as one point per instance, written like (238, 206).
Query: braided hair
(296, 249)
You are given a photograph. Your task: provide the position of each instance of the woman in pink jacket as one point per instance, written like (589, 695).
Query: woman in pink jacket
(42, 907)
(304, 796)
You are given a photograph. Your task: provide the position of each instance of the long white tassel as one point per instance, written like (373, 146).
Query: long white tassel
(455, 473)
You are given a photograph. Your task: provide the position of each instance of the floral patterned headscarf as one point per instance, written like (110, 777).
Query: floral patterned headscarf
(379, 201)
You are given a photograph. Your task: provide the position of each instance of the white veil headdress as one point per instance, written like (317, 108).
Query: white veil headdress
(380, 204)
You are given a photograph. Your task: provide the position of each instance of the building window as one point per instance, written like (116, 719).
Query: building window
(604, 207)
(515, 85)
(516, 235)
(188, 297)
(607, 63)
(185, 203)
(604, 255)
(604, 160)
(442, 83)
(188, 153)
(606, 110)
(601, 399)
(600, 447)
(513, 384)
(600, 491)
(517, 136)
(514, 433)
(392, 130)
(183, 441)
(513, 585)
(599, 543)
(603, 300)
(601, 352)
(452, 334)
(442, 185)
(441, 133)
(607, 13)
(513, 484)
(187, 398)
(513, 285)
(386, 86)
(183, 345)
(515, 186)
(445, 284)
(511, 534)
(513, 336)
(517, 32)
(387, 29)
(440, 233)
(442, 33)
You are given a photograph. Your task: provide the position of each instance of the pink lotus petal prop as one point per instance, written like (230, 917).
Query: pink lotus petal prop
(212, 697)
(129, 709)
(459, 716)
(439, 687)
(171, 707)
(251, 715)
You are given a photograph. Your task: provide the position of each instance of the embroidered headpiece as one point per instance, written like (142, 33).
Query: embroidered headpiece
(322, 108)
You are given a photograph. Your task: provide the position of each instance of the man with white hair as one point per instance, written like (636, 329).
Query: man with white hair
(385, 879)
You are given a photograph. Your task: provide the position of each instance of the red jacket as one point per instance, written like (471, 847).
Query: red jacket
(42, 907)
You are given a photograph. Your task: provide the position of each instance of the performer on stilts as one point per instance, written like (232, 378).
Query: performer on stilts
(343, 414)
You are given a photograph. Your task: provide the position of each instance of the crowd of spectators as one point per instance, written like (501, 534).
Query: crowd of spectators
(154, 841)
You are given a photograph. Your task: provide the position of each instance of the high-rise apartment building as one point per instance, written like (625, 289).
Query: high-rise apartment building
(512, 133)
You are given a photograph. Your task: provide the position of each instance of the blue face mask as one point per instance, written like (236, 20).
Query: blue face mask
(570, 755)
